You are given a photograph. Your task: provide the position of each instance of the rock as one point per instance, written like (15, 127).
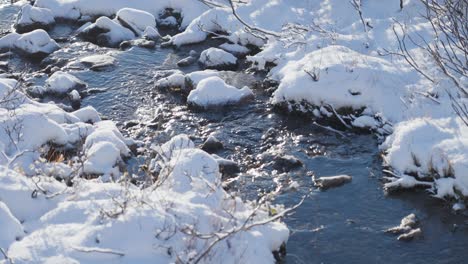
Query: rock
(414, 233)
(151, 34)
(98, 62)
(286, 163)
(187, 61)
(136, 20)
(106, 32)
(4, 65)
(214, 58)
(407, 223)
(227, 167)
(31, 18)
(62, 82)
(212, 144)
(131, 123)
(149, 44)
(35, 45)
(125, 45)
(332, 181)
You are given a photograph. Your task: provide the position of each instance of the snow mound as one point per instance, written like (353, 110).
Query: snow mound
(31, 18)
(214, 58)
(36, 44)
(61, 82)
(85, 223)
(137, 20)
(344, 78)
(101, 159)
(213, 91)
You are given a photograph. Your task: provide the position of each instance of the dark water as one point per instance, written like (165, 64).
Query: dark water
(342, 225)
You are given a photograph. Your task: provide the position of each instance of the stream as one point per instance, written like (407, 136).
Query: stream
(339, 225)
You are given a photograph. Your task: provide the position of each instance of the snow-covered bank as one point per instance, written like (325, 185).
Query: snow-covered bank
(337, 70)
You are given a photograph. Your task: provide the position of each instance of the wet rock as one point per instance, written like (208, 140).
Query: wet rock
(212, 144)
(131, 123)
(414, 233)
(191, 59)
(286, 163)
(148, 44)
(331, 181)
(4, 65)
(98, 62)
(125, 45)
(227, 167)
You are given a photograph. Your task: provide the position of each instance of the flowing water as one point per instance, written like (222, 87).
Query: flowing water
(341, 225)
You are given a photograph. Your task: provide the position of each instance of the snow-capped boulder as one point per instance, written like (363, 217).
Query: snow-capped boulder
(32, 17)
(214, 58)
(36, 44)
(213, 91)
(106, 32)
(136, 20)
(98, 62)
(235, 49)
(62, 83)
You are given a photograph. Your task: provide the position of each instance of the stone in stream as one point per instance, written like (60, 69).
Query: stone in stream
(414, 233)
(212, 144)
(191, 59)
(98, 62)
(31, 18)
(331, 181)
(407, 230)
(218, 59)
(286, 163)
(226, 167)
(407, 223)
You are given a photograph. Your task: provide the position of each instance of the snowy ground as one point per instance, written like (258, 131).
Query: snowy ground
(333, 67)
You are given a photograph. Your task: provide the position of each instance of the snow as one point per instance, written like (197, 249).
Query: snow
(436, 148)
(37, 42)
(34, 17)
(213, 91)
(61, 82)
(217, 58)
(101, 158)
(234, 48)
(87, 115)
(86, 223)
(137, 20)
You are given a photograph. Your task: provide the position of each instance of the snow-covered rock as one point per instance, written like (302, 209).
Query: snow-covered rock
(213, 91)
(62, 83)
(32, 17)
(151, 33)
(106, 32)
(214, 58)
(138, 21)
(36, 44)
